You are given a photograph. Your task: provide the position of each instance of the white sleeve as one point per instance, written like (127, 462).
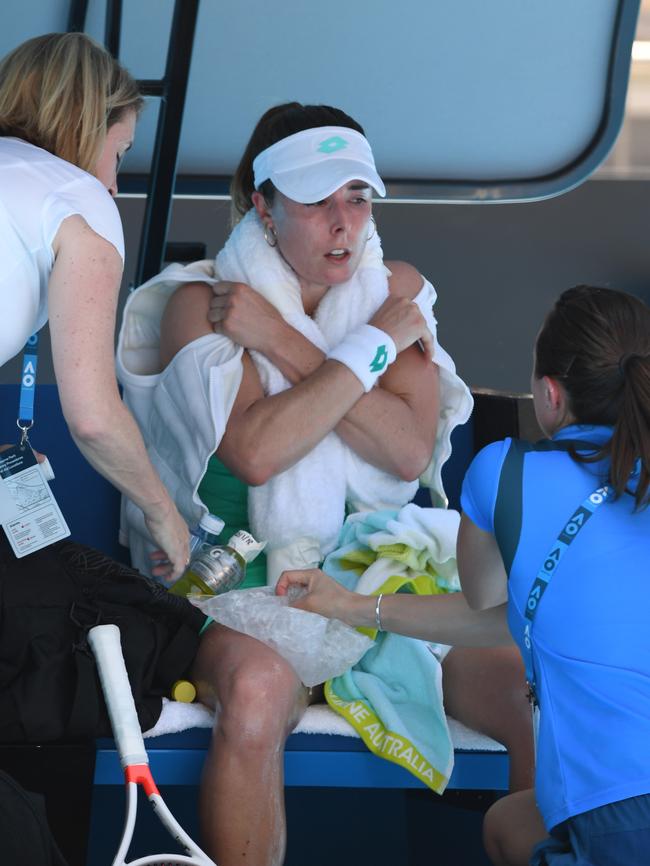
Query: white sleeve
(456, 400)
(87, 197)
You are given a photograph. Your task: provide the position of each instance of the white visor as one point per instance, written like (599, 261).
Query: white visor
(310, 165)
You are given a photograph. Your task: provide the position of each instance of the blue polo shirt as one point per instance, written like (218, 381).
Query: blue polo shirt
(591, 635)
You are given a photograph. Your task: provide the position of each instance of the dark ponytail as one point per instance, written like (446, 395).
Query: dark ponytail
(596, 343)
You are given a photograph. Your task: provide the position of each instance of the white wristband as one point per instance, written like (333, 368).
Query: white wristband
(367, 352)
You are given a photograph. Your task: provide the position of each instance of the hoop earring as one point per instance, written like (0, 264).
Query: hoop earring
(268, 229)
(374, 228)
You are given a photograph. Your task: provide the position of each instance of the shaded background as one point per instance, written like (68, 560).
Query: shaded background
(471, 90)
(497, 268)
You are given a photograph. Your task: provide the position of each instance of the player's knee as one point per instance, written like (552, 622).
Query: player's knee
(260, 705)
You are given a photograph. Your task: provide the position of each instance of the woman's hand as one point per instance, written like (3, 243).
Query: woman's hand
(320, 594)
(241, 313)
(168, 529)
(402, 320)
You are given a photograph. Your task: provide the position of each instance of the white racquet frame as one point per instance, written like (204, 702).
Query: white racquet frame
(107, 648)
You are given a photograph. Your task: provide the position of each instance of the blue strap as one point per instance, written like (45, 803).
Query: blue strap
(508, 509)
(28, 386)
(508, 513)
(567, 536)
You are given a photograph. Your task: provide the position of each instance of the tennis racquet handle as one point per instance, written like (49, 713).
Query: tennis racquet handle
(107, 648)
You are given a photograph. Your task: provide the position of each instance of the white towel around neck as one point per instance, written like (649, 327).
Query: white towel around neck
(308, 499)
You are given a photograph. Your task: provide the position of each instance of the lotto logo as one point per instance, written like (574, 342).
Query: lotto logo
(379, 361)
(331, 145)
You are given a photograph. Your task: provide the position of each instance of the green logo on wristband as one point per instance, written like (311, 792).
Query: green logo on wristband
(379, 361)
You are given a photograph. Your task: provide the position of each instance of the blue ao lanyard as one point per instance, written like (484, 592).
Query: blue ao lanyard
(569, 533)
(25, 420)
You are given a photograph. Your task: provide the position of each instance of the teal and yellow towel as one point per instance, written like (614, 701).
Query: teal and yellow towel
(393, 695)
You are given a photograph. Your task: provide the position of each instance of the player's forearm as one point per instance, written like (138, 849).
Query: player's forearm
(292, 353)
(276, 432)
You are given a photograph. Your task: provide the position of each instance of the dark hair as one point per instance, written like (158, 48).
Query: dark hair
(275, 124)
(596, 342)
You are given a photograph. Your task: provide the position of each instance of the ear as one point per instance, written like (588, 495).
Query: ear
(262, 208)
(553, 393)
(558, 402)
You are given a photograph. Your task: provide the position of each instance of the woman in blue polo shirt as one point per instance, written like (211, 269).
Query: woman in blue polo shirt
(555, 546)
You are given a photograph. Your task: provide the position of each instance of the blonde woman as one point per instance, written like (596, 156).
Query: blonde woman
(67, 117)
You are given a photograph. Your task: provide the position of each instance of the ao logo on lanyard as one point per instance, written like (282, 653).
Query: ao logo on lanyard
(569, 533)
(29, 513)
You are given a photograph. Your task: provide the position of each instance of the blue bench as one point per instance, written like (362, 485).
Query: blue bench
(91, 507)
(311, 761)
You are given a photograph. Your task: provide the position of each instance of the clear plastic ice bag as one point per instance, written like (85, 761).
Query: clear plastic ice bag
(318, 648)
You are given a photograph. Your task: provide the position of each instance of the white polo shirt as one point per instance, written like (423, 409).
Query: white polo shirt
(37, 192)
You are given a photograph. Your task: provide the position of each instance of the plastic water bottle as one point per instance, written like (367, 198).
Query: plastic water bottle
(218, 569)
(206, 533)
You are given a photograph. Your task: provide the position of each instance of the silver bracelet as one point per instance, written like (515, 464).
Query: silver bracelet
(378, 612)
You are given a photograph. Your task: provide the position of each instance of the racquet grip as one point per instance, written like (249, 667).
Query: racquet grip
(105, 644)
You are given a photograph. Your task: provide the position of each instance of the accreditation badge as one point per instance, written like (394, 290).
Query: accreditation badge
(8, 508)
(37, 520)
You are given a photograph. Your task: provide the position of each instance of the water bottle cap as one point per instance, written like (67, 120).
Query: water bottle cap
(211, 523)
(184, 691)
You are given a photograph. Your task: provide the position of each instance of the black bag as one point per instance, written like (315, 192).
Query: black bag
(49, 689)
(25, 838)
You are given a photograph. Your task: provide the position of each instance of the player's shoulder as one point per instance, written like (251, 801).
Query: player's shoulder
(405, 281)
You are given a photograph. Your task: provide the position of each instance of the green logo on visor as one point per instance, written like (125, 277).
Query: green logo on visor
(379, 361)
(331, 145)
